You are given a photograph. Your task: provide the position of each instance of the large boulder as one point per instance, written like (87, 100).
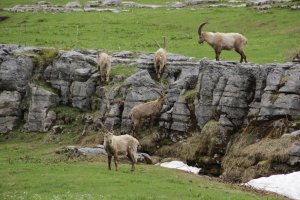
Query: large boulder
(15, 72)
(39, 117)
(10, 111)
(68, 67)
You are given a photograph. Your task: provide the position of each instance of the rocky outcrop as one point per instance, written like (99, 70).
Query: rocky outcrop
(15, 74)
(233, 97)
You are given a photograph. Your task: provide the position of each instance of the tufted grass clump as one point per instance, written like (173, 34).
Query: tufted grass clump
(48, 54)
(189, 94)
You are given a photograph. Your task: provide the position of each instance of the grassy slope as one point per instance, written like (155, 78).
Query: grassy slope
(271, 36)
(31, 170)
(9, 3)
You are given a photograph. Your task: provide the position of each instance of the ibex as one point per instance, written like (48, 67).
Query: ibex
(146, 110)
(105, 66)
(160, 59)
(118, 145)
(223, 41)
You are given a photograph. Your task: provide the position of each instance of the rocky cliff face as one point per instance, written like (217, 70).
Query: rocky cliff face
(231, 94)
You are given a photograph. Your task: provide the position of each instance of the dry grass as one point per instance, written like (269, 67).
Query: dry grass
(91, 140)
(205, 142)
(183, 150)
(256, 152)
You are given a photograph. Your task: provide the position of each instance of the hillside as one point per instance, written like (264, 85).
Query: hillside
(235, 121)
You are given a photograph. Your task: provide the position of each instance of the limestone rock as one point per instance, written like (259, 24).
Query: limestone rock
(10, 103)
(39, 117)
(111, 2)
(74, 4)
(15, 72)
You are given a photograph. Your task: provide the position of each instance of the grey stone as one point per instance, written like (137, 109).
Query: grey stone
(10, 103)
(90, 4)
(73, 4)
(82, 74)
(177, 4)
(295, 150)
(38, 118)
(141, 78)
(263, 2)
(117, 79)
(15, 73)
(81, 94)
(124, 54)
(294, 160)
(111, 2)
(7, 123)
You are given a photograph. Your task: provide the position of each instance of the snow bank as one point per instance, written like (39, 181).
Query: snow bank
(284, 184)
(181, 166)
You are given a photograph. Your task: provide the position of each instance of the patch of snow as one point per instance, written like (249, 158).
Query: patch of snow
(284, 184)
(181, 166)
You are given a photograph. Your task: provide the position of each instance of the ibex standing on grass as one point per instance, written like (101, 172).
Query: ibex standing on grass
(223, 41)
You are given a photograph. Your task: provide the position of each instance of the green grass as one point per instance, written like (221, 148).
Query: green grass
(271, 36)
(9, 3)
(124, 70)
(30, 169)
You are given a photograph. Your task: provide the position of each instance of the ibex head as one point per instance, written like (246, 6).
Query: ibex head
(162, 96)
(108, 136)
(200, 33)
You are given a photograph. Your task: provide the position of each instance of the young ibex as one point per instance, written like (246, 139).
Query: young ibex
(223, 41)
(118, 145)
(105, 66)
(160, 59)
(146, 110)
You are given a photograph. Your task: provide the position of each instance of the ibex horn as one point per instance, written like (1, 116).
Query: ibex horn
(200, 27)
(157, 44)
(159, 92)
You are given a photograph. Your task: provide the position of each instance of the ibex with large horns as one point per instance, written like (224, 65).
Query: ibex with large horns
(147, 110)
(223, 41)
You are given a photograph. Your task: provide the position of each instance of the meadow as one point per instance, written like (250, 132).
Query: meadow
(29, 166)
(273, 36)
(30, 169)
